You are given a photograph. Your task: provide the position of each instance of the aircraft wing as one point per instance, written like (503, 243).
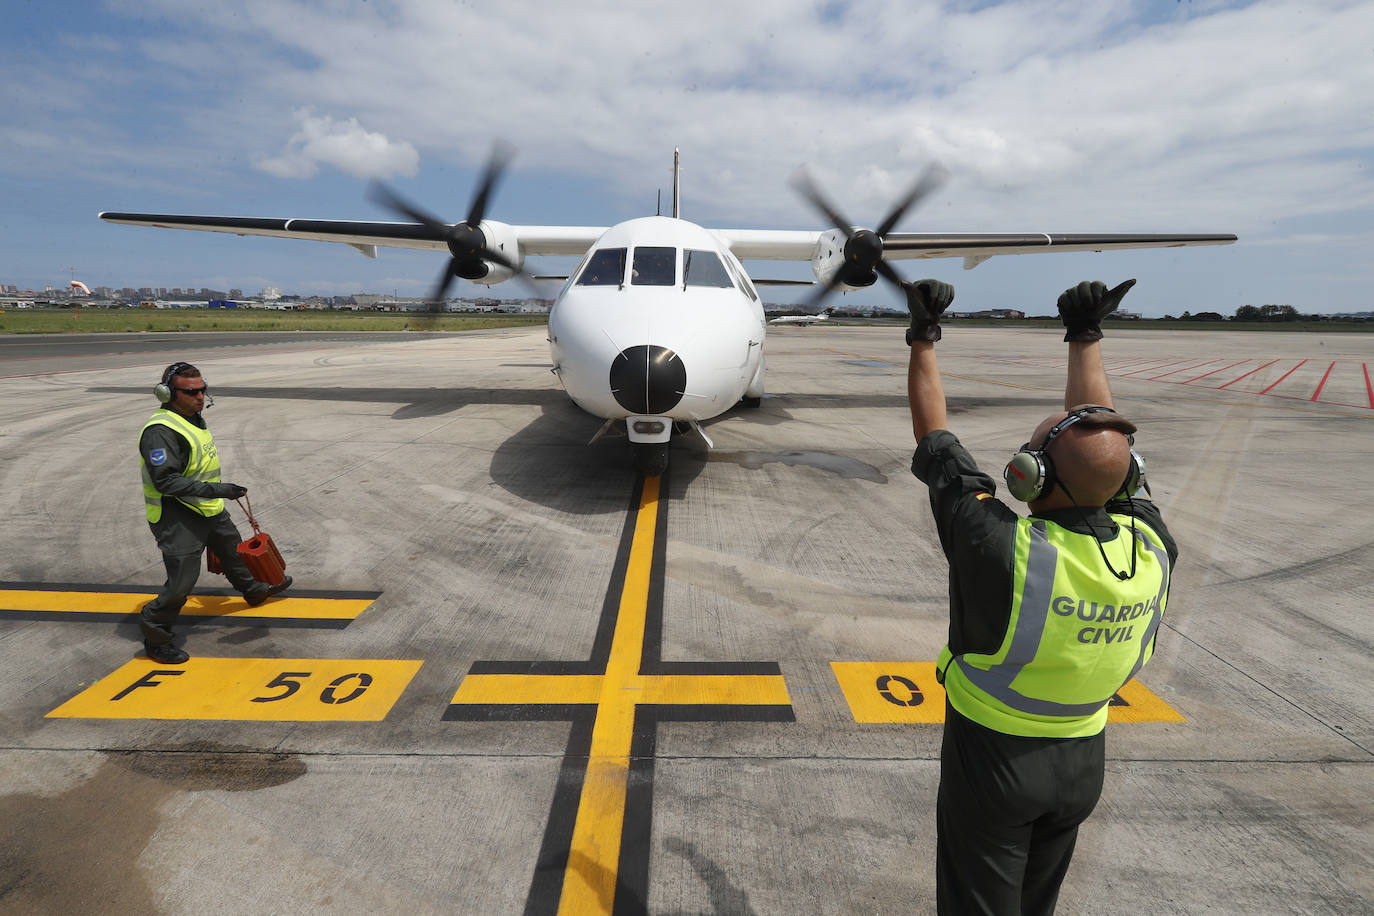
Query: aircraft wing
(974, 247)
(363, 235)
(746, 244)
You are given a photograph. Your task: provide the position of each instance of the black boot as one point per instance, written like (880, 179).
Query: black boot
(259, 595)
(165, 653)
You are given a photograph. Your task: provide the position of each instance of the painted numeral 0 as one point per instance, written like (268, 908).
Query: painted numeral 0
(364, 682)
(290, 682)
(913, 696)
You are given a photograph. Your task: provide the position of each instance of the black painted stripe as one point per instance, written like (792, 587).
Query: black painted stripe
(187, 621)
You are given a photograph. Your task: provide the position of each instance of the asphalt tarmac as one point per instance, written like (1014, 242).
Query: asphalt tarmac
(512, 678)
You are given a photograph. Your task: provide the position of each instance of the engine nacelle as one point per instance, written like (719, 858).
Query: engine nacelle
(832, 267)
(500, 238)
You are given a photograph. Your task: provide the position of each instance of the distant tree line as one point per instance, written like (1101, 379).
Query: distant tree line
(1262, 313)
(1268, 313)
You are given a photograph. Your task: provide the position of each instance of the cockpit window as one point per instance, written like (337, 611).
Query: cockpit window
(703, 268)
(743, 281)
(654, 267)
(606, 267)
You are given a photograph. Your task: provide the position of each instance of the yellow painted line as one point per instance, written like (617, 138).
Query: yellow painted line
(601, 809)
(590, 878)
(525, 689)
(82, 602)
(907, 693)
(247, 689)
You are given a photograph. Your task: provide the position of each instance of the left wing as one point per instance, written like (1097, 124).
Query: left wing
(368, 236)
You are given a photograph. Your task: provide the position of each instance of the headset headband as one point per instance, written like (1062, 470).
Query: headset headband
(1095, 417)
(174, 370)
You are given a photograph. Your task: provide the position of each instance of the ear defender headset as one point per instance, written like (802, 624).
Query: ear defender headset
(163, 389)
(1030, 472)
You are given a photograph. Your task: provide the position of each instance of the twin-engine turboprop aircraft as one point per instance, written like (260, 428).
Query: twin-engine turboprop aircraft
(659, 325)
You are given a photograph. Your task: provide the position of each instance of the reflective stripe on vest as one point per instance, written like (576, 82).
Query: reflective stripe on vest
(202, 466)
(980, 686)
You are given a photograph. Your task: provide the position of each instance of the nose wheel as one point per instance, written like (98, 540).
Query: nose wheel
(651, 458)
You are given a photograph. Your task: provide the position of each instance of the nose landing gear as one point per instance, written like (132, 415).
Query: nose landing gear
(651, 458)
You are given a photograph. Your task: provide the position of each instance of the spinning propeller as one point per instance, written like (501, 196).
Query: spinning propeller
(470, 256)
(863, 248)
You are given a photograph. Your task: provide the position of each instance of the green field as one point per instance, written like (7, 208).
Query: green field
(132, 321)
(120, 321)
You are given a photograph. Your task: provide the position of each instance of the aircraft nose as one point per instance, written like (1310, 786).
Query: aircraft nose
(648, 379)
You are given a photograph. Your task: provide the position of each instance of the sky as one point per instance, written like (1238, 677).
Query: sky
(1253, 118)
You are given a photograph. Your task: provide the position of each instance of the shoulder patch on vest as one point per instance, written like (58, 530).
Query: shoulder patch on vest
(982, 496)
(157, 457)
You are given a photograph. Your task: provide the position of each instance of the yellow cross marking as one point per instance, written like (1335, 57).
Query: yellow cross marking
(589, 887)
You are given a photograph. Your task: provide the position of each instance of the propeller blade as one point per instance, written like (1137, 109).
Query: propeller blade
(890, 274)
(804, 185)
(384, 196)
(436, 298)
(501, 155)
(930, 180)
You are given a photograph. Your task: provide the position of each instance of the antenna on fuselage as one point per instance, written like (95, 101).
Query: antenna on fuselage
(677, 159)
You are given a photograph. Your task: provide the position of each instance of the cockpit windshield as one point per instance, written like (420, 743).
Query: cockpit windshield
(605, 267)
(703, 268)
(654, 266)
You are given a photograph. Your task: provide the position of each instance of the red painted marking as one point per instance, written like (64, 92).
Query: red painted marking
(1172, 371)
(1322, 384)
(1250, 373)
(1281, 378)
(1215, 371)
(1151, 368)
(1368, 387)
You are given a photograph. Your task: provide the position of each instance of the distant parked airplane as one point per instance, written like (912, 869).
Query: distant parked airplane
(802, 321)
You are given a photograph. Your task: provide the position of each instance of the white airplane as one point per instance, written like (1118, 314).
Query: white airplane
(802, 321)
(660, 327)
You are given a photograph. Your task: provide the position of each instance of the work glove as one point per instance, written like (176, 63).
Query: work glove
(926, 300)
(230, 491)
(1083, 307)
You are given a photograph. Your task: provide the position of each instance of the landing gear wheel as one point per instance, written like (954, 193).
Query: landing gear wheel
(651, 458)
(750, 402)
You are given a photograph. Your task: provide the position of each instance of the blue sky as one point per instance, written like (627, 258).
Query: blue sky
(1252, 118)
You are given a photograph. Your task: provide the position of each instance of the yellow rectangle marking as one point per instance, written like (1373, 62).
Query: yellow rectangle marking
(1141, 705)
(903, 692)
(907, 692)
(246, 689)
(81, 602)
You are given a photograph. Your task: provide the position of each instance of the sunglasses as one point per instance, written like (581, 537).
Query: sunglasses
(192, 392)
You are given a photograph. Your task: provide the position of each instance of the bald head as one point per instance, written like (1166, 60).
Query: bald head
(1091, 457)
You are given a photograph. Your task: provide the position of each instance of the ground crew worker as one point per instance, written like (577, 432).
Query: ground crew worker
(184, 499)
(1049, 615)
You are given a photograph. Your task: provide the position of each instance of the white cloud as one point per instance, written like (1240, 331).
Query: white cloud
(345, 145)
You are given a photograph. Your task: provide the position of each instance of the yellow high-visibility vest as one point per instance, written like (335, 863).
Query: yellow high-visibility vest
(1075, 637)
(203, 465)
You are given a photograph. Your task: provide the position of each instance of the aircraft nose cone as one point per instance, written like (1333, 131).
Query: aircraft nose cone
(648, 379)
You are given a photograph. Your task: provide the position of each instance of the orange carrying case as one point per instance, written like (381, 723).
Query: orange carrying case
(258, 553)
